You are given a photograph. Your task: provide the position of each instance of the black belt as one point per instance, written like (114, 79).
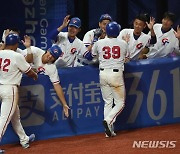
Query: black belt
(114, 70)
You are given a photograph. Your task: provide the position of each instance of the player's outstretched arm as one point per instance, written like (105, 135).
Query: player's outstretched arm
(64, 24)
(60, 94)
(32, 74)
(150, 26)
(53, 35)
(27, 43)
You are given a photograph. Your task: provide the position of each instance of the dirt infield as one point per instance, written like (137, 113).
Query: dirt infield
(98, 144)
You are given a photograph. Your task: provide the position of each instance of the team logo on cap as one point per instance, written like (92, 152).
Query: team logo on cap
(74, 21)
(55, 50)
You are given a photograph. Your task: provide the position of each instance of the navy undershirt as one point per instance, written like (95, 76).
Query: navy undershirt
(71, 40)
(165, 31)
(136, 36)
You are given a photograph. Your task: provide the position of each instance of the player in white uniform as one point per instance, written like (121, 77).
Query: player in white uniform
(135, 38)
(12, 65)
(96, 34)
(71, 46)
(167, 43)
(44, 63)
(111, 53)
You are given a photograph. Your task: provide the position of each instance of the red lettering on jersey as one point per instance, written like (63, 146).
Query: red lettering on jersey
(73, 50)
(4, 64)
(41, 69)
(114, 52)
(139, 45)
(164, 41)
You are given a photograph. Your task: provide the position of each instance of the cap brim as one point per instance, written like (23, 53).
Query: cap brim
(74, 25)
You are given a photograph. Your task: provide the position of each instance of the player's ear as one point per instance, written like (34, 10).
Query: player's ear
(79, 29)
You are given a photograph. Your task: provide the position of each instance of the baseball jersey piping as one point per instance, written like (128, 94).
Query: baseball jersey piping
(56, 82)
(28, 69)
(9, 114)
(118, 113)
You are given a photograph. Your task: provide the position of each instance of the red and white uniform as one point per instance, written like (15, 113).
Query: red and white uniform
(166, 43)
(134, 46)
(46, 69)
(12, 65)
(71, 51)
(111, 53)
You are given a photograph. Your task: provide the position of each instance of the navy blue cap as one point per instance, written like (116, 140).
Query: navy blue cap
(105, 17)
(55, 51)
(76, 22)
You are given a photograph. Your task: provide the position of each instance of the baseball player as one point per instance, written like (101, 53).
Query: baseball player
(95, 34)
(12, 65)
(44, 63)
(111, 53)
(135, 38)
(71, 46)
(167, 43)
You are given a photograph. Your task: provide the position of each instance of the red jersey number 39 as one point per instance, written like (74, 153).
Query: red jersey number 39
(109, 52)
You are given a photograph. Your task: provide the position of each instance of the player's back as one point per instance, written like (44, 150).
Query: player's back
(111, 53)
(10, 73)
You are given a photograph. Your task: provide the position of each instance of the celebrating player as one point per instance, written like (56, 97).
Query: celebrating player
(111, 53)
(44, 64)
(12, 65)
(95, 34)
(71, 46)
(167, 43)
(135, 38)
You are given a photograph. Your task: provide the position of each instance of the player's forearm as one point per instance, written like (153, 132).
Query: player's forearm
(29, 56)
(32, 74)
(60, 93)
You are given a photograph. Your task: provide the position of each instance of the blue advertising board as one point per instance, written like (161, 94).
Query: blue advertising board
(152, 98)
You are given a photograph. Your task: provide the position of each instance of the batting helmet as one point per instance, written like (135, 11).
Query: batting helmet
(76, 22)
(113, 29)
(55, 51)
(12, 39)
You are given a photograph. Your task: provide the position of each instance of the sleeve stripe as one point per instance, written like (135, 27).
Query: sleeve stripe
(28, 69)
(93, 55)
(56, 82)
(85, 53)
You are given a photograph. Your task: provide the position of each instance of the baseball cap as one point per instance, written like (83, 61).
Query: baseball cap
(105, 17)
(55, 51)
(76, 22)
(12, 39)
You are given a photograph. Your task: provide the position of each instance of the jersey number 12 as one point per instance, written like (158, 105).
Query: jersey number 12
(113, 52)
(4, 63)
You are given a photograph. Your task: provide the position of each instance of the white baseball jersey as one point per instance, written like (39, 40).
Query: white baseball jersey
(46, 69)
(111, 53)
(12, 65)
(134, 46)
(71, 51)
(88, 37)
(166, 43)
